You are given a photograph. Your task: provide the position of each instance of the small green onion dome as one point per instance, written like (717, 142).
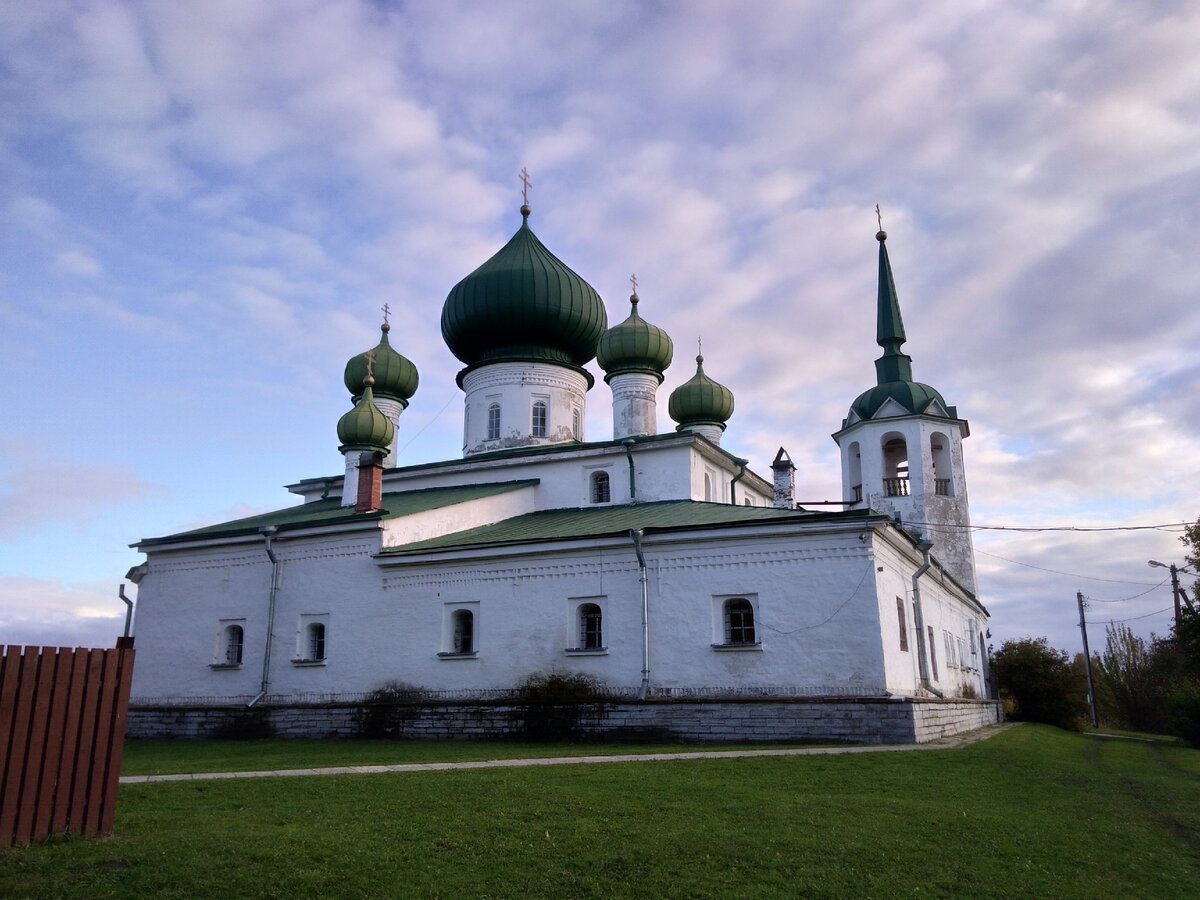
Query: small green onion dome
(395, 376)
(912, 395)
(634, 346)
(523, 304)
(700, 401)
(365, 427)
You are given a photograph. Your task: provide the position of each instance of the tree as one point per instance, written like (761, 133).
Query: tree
(1128, 668)
(1040, 682)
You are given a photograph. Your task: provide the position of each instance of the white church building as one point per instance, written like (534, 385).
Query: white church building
(691, 595)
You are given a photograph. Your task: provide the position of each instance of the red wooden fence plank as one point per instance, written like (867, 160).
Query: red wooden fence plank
(10, 664)
(66, 764)
(51, 756)
(27, 678)
(125, 653)
(83, 747)
(43, 693)
(100, 745)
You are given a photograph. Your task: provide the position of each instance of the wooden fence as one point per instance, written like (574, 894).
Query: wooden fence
(62, 733)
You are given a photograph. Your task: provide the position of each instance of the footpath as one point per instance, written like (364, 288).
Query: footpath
(949, 743)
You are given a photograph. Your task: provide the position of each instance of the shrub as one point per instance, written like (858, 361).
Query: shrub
(1040, 683)
(552, 705)
(388, 709)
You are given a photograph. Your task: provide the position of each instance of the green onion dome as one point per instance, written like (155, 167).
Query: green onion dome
(395, 375)
(523, 304)
(700, 401)
(912, 395)
(634, 346)
(365, 427)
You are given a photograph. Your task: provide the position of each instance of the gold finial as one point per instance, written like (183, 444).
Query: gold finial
(881, 236)
(633, 298)
(526, 181)
(699, 351)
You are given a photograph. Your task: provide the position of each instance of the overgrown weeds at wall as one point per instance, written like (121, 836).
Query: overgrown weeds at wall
(556, 706)
(388, 709)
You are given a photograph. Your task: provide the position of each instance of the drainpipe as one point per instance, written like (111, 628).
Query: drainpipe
(922, 653)
(129, 609)
(267, 532)
(628, 445)
(637, 548)
(742, 463)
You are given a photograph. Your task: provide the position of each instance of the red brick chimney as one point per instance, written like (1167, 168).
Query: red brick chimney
(370, 483)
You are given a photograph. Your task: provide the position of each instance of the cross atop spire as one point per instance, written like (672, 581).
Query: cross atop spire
(526, 182)
(633, 298)
(895, 364)
(386, 311)
(370, 379)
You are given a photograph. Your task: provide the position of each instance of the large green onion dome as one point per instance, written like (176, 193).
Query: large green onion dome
(912, 395)
(701, 401)
(523, 304)
(365, 427)
(634, 346)
(395, 376)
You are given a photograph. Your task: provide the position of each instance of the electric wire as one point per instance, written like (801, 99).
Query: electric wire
(1060, 572)
(866, 571)
(1127, 599)
(1157, 612)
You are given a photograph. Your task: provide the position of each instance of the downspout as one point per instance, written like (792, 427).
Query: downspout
(628, 445)
(922, 653)
(637, 548)
(128, 604)
(267, 532)
(742, 463)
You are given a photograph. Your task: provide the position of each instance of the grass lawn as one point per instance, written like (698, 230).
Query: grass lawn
(1033, 811)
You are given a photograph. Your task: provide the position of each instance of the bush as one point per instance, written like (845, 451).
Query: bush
(552, 705)
(1039, 682)
(388, 709)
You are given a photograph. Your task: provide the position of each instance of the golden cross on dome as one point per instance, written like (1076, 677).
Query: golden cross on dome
(526, 181)
(370, 365)
(386, 310)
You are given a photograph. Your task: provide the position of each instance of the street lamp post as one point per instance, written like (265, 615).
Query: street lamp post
(1154, 563)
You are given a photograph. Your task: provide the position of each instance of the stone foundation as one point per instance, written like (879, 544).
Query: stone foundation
(820, 720)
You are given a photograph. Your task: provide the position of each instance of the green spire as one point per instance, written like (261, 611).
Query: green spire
(893, 365)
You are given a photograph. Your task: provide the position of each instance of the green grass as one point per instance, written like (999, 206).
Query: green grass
(172, 757)
(1033, 811)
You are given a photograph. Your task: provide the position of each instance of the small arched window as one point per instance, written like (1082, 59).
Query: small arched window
(591, 630)
(464, 631)
(739, 621)
(538, 425)
(601, 488)
(943, 477)
(895, 465)
(233, 645)
(708, 487)
(493, 422)
(576, 425)
(315, 641)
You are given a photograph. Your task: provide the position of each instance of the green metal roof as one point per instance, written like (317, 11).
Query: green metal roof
(331, 512)
(395, 376)
(523, 303)
(365, 427)
(602, 521)
(634, 346)
(700, 400)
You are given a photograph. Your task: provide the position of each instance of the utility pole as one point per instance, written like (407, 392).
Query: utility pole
(1087, 658)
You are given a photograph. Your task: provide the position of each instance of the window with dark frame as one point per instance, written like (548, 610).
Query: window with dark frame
(932, 654)
(739, 621)
(234, 638)
(493, 422)
(601, 488)
(591, 630)
(538, 425)
(316, 641)
(464, 631)
(903, 624)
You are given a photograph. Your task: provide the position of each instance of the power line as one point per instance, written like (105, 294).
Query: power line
(1068, 574)
(1134, 597)
(1146, 616)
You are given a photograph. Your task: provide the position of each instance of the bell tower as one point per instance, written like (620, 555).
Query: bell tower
(901, 446)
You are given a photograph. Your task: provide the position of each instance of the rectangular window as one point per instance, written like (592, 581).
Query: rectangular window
(493, 422)
(903, 625)
(538, 423)
(933, 654)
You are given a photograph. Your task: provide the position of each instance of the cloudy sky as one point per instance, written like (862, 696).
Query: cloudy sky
(205, 205)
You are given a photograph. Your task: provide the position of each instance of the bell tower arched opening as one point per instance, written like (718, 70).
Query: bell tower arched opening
(895, 464)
